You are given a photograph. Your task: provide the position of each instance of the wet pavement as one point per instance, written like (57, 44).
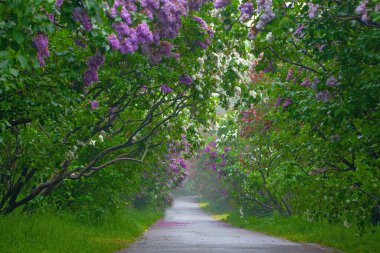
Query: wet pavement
(186, 228)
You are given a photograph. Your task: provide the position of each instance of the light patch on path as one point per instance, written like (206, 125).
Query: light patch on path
(187, 229)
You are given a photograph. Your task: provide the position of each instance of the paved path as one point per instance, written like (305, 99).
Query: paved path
(187, 229)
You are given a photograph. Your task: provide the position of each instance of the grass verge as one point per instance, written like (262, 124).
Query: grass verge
(297, 229)
(49, 232)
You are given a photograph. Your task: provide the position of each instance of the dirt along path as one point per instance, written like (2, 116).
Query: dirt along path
(186, 228)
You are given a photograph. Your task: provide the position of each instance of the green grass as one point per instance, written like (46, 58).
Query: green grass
(50, 232)
(297, 229)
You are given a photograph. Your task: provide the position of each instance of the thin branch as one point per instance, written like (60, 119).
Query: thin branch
(293, 63)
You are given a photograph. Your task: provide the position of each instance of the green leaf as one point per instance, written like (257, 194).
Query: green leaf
(19, 37)
(4, 64)
(14, 72)
(4, 54)
(23, 61)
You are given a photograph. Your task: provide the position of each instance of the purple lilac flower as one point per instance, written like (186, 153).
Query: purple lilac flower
(195, 5)
(150, 4)
(185, 79)
(127, 46)
(95, 61)
(226, 149)
(93, 64)
(290, 74)
(204, 26)
(207, 29)
(362, 10)
(90, 77)
(323, 95)
(80, 42)
(121, 28)
(144, 35)
(306, 82)
(80, 15)
(332, 82)
(246, 11)
(313, 8)
(213, 154)
(173, 167)
(41, 43)
(169, 17)
(165, 48)
(155, 58)
(50, 17)
(264, 6)
(124, 14)
(223, 163)
(299, 30)
(201, 44)
(112, 12)
(114, 41)
(183, 164)
(94, 104)
(287, 102)
(166, 89)
(279, 101)
(207, 149)
(221, 3)
(58, 3)
(321, 47)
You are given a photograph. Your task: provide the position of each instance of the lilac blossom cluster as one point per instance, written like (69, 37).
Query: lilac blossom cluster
(41, 43)
(144, 35)
(362, 10)
(306, 82)
(185, 79)
(122, 9)
(155, 54)
(221, 3)
(246, 11)
(94, 104)
(265, 7)
(290, 74)
(168, 14)
(216, 161)
(323, 95)
(313, 8)
(195, 5)
(169, 17)
(205, 30)
(58, 3)
(126, 40)
(178, 171)
(284, 102)
(166, 89)
(80, 15)
(93, 64)
(332, 82)
(150, 7)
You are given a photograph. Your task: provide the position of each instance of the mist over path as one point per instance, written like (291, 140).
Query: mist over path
(186, 228)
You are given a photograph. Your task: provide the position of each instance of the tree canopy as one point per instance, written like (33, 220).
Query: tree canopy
(126, 90)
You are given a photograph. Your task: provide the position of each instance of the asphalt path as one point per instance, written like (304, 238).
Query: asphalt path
(186, 228)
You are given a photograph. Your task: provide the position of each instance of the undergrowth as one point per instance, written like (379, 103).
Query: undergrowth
(51, 232)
